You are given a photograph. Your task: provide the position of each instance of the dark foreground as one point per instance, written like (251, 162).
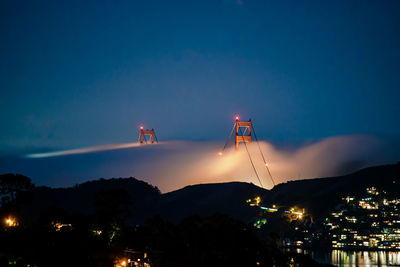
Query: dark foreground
(126, 222)
(105, 237)
(213, 241)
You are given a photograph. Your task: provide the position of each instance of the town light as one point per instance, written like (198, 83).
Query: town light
(10, 221)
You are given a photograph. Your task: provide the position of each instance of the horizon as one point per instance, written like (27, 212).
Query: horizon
(173, 165)
(216, 183)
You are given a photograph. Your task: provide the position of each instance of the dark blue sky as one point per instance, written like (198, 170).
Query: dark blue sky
(80, 73)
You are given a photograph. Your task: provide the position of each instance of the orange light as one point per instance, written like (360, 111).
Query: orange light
(123, 263)
(10, 222)
(219, 153)
(57, 226)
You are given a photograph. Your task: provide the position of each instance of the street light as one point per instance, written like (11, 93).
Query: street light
(10, 221)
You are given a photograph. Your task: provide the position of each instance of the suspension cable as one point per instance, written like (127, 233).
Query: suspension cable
(155, 136)
(229, 137)
(262, 154)
(252, 164)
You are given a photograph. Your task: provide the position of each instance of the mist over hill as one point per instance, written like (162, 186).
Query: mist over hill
(172, 165)
(317, 196)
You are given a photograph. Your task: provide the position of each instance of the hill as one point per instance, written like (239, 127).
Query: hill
(318, 196)
(321, 195)
(82, 198)
(207, 199)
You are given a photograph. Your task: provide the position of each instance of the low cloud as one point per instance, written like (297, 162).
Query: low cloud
(176, 164)
(198, 162)
(84, 150)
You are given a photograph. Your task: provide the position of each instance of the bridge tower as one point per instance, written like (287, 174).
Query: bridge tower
(242, 136)
(245, 136)
(147, 132)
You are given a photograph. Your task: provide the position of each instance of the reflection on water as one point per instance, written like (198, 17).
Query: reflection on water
(354, 258)
(365, 258)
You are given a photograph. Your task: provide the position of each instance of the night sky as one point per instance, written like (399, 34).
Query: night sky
(86, 73)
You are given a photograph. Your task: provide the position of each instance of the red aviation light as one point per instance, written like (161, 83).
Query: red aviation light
(141, 128)
(237, 118)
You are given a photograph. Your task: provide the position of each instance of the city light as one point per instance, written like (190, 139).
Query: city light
(254, 201)
(122, 263)
(11, 221)
(379, 214)
(97, 232)
(58, 225)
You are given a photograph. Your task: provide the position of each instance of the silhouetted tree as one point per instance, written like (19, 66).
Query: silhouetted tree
(112, 210)
(12, 184)
(113, 203)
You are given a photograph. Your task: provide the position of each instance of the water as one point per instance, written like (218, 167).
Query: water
(365, 258)
(356, 258)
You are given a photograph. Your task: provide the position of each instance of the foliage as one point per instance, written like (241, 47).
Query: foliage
(12, 184)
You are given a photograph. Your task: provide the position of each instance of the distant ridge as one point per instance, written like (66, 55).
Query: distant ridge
(207, 199)
(318, 196)
(81, 199)
(322, 194)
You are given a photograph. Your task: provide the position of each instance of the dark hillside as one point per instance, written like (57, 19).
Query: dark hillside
(82, 198)
(207, 199)
(317, 196)
(320, 195)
